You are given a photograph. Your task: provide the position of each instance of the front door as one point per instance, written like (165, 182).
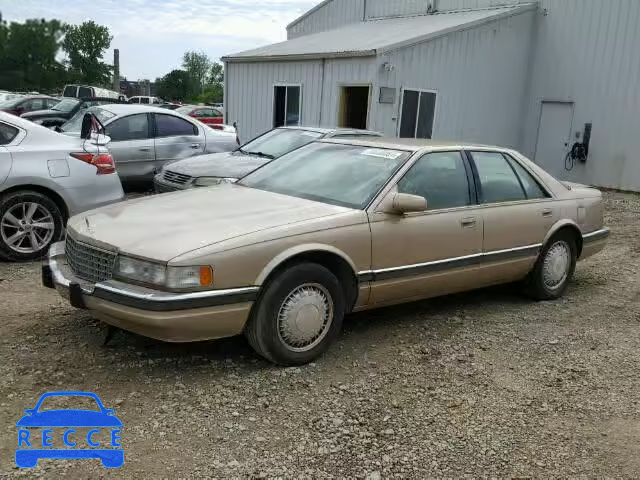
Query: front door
(429, 253)
(131, 146)
(554, 137)
(354, 107)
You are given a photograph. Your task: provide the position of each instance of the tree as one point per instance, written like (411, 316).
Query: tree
(86, 44)
(28, 55)
(174, 86)
(214, 90)
(198, 66)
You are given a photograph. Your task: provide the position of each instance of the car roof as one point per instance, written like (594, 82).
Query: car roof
(120, 109)
(332, 130)
(410, 144)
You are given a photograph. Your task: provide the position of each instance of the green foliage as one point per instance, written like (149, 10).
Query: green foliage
(85, 45)
(197, 65)
(175, 86)
(28, 55)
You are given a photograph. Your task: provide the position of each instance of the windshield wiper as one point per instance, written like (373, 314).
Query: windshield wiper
(261, 154)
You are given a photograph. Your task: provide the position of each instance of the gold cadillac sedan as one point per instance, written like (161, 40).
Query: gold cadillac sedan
(335, 227)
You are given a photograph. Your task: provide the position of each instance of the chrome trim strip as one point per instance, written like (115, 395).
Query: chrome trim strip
(160, 297)
(597, 235)
(448, 263)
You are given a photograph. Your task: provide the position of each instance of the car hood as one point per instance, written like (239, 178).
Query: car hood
(227, 164)
(165, 226)
(69, 418)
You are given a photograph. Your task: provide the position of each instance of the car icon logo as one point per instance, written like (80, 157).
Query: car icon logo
(66, 427)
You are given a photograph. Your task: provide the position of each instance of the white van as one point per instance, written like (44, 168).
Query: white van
(87, 91)
(145, 99)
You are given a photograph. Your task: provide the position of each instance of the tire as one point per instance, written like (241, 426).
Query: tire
(554, 268)
(314, 300)
(16, 207)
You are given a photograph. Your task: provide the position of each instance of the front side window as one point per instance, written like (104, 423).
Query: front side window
(498, 181)
(35, 104)
(439, 177)
(133, 127)
(279, 141)
(418, 114)
(345, 175)
(7, 133)
(286, 105)
(170, 126)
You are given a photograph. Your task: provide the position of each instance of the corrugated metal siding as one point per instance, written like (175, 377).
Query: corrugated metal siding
(249, 99)
(587, 52)
(391, 8)
(333, 14)
(479, 74)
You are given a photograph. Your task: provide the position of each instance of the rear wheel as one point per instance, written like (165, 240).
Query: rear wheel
(554, 268)
(298, 316)
(29, 223)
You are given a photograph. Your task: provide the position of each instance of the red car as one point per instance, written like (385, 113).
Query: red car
(20, 105)
(208, 115)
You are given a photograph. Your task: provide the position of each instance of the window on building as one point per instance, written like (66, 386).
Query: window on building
(170, 126)
(441, 178)
(133, 127)
(418, 114)
(287, 100)
(498, 180)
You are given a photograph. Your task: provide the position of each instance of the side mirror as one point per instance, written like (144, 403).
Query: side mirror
(406, 203)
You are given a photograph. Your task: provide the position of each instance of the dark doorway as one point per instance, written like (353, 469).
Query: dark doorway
(354, 107)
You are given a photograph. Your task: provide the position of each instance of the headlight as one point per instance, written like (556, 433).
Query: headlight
(142, 271)
(209, 181)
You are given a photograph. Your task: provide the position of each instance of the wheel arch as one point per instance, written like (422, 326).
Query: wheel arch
(569, 226)
(332, 258)
(52, 194)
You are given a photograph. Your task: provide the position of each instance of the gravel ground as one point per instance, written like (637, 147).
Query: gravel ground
(480, 384)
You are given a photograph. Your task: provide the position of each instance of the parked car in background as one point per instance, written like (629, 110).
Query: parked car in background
(64, 110)
(146, 100)
(334, 227)
(19, 105)
(208, 170)
(170, 106)
(208, 115)
(86, 91)
(5, 95)
(144, 138)
(45, 178)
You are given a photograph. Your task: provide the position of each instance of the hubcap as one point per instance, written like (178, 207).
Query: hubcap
(556, 265)
(305, 317)
(27, 227)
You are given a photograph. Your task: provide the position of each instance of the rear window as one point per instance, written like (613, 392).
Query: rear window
(69, 91)
(7, 133)
(85, 92)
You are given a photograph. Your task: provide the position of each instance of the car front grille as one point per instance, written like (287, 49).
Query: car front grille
(175, 177)
(88, 262)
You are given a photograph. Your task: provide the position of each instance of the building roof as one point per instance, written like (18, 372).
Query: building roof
(373, 37)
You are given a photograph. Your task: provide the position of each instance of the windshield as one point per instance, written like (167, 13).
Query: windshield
(66, 105)
(277, 142)
(75, 124)
(344, 175)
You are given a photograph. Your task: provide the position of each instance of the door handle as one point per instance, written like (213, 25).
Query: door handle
(195, 145)
(469, 222)
(145, 149)
(547, 212)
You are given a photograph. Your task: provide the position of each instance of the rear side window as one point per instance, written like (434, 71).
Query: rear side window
(530, 185)
(144, 100)
(498, 181)
(170, 126)
(133, 127)
(85, 92)
(70, 91)
(439, 177)
(7, 133)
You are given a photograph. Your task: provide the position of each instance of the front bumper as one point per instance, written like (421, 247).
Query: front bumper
(172, 317)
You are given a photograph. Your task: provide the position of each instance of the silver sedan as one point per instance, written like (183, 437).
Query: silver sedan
(45, 178)
(144, 138)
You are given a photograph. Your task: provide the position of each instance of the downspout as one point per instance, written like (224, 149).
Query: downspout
(324, 62)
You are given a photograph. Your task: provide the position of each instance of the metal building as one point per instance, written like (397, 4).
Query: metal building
(549, 78)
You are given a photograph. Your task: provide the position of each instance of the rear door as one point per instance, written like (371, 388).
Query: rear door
(5, 163)
(176, 138)
(517, 213)
(132, 146)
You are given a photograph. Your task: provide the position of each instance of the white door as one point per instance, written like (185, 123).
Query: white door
(554, 137)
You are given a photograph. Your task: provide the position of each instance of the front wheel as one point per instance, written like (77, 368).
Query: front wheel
(298, 316)
(554, 268)
(29, 223)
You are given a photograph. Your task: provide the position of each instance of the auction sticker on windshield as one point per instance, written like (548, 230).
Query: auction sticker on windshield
(48, 431)
(381, 153)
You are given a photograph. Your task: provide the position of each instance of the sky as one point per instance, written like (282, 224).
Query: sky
(152, 35)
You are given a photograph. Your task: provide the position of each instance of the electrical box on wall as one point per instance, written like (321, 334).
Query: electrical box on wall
(387, 95)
